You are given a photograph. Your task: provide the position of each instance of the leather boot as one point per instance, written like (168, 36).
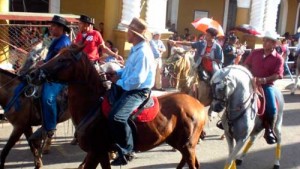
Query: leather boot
(269, 132)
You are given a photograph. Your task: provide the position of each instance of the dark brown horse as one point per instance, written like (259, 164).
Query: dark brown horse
(23, 115)
(179, 122)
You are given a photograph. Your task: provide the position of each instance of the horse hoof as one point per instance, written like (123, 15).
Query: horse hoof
(81, 166)
(238, 162)
(276, 167)
(222, 137)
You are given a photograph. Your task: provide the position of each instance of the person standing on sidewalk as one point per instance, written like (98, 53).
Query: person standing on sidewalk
(158, 48)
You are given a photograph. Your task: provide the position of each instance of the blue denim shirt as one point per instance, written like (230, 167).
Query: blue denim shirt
(56, 45)
(139, 70)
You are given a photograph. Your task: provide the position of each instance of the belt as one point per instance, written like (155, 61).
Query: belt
(95, 62)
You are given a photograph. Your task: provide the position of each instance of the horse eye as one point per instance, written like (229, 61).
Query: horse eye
(62, 60)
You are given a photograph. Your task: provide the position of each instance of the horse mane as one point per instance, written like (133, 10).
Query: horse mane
(73, 48)
(8, 73)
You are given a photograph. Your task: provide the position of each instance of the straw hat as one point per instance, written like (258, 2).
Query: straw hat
(140, 28)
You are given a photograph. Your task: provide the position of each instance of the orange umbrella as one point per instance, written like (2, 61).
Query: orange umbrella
(204, 23)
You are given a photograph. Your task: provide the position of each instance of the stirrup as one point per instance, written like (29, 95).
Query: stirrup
(270, 136)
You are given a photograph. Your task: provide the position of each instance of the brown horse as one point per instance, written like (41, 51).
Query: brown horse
(22, 115)
(179, 122)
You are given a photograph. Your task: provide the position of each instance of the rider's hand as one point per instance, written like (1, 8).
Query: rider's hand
(39, 63)
(112, 76)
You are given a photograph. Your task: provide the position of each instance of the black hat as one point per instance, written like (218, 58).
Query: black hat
(86, 19)
(232, 37)
(60, 21)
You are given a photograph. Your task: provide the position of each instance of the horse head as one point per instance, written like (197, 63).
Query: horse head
(222, 88)
(62, 68)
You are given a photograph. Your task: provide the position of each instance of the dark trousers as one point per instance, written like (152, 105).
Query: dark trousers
(118, 118)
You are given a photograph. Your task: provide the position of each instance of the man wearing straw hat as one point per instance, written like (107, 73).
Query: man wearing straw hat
(267, 66)
(133, 83)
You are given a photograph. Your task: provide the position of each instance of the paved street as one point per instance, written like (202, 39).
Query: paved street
(212, 152)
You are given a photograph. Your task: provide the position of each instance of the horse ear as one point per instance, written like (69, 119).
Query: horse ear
(231, 85)
(77, 47)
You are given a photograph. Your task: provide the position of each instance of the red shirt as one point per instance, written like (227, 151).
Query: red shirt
(92, 41)
(207, 63)
(264, 67)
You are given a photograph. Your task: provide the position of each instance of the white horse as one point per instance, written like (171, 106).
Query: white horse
(233, 89)
(297, 75)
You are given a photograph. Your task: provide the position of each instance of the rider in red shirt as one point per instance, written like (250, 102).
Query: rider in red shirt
(267, 66)
(92, 40)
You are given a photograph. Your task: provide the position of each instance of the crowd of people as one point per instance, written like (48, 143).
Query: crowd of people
(142, 70)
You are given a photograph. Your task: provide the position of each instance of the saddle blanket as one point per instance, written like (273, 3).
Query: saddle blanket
(147, 114)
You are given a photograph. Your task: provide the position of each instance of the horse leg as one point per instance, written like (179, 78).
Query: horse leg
(233, 152)
(13, 138)
(189, 157)
(47, 146)
(104, 160)
(278, 145)
(91, 161)
(37, 159)
(239, 159)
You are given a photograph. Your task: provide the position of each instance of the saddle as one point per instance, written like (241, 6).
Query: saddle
(146, 112)
(84, 130)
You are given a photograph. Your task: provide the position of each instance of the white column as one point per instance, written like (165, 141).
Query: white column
(131, 9)
(156, 11)
(54, 6)
(271, 15)
(243, 3)
(174, 11)
(257, 14)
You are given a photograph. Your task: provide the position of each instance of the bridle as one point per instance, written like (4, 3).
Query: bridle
(225, 100)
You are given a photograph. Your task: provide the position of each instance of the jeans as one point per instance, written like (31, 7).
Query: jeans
(270, 101)
(287, 70)
(49, 105)
(118, 118)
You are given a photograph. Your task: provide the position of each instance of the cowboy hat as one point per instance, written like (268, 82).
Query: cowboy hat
(86, 19)
(139, 27)
(271, 35)
(60, 21)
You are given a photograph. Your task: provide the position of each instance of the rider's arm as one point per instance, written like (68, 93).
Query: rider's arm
(184, 43)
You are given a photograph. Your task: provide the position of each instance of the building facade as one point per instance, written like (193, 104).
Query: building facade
(279, 15)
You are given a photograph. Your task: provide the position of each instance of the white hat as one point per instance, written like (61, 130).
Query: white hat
(156, 33)
(271, 35)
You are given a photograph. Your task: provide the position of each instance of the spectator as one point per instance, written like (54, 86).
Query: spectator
(230, 51)
(186, 34)
(158, 48)
(285, 54)
(101, 28)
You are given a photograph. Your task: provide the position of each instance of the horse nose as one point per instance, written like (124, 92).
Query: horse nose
(217, 107)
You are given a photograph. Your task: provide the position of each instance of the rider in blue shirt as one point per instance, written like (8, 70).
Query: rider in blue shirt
(50, 90)
(134, 83)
